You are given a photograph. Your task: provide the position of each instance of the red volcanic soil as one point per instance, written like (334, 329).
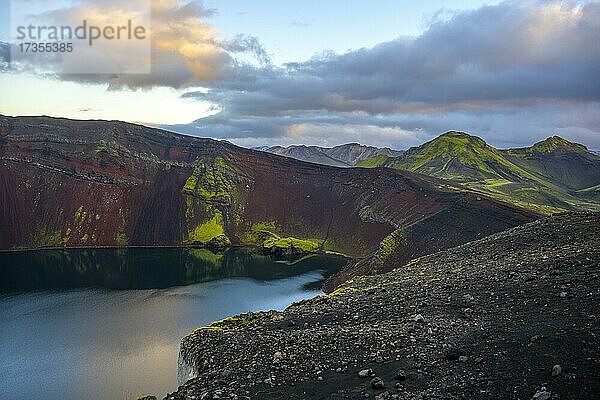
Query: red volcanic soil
(96, 183)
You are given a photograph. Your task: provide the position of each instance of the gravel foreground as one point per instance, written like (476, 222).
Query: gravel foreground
(511, 316)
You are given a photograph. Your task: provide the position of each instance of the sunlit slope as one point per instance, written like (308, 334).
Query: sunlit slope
(550, 176)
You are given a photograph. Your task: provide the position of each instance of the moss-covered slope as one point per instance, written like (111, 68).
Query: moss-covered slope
(550, 176)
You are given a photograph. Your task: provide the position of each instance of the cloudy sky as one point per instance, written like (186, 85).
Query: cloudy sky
(386, 73)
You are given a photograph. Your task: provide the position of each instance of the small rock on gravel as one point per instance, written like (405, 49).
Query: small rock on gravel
(365, 373)
(556, 370)
(383, 396)
(453, 354)
(401, 375)
(542, 394)
(377, 383)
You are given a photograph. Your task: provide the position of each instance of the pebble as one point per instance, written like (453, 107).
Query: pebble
(556, 370)
(377, 383)
(383, 396)
(463, 359)
(541, 394)
(418, 318)
(365, 373)
(401, 375)
(453, 354)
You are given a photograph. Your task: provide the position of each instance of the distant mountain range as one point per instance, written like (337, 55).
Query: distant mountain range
(550, 176)
(346, 155)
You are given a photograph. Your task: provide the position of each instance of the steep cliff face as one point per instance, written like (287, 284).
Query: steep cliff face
(107, 183)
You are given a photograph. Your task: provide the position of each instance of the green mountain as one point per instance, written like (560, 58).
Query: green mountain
(552, 175)
(568, 164)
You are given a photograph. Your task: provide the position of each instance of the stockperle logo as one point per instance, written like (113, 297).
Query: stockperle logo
(81, 37)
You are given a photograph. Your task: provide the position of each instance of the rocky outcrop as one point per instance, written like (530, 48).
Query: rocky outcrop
(513, 315)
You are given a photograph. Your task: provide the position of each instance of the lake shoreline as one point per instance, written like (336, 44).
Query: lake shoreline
(129, 338)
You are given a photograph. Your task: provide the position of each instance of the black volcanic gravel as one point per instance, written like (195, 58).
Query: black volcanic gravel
(491, 319)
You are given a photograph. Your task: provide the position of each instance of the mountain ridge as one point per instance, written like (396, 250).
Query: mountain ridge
(345, 155)
(551, 175)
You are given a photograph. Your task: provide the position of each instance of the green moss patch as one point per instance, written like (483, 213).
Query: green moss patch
(388, 246)
(203, 233)
(224, 324)
(291, 245)
(43, 238)
(213, 180)
(261, 235)
(110, 147)
(213, 196)
(121, 239)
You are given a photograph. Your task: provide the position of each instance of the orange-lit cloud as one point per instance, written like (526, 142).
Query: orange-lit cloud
(183, 49)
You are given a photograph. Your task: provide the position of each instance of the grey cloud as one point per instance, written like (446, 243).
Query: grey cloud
(513, 72)
(4, 56)
(246, 44)
(503, 127)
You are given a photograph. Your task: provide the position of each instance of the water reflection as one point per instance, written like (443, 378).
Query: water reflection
(149, 268)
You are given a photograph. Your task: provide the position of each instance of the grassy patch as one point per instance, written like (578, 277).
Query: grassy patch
(342, 290)
(212, 180)
(373, 162)
(121, 239)
(110, 147)
(387, 248)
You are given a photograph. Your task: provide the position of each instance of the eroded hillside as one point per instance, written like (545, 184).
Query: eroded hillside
(98, 183)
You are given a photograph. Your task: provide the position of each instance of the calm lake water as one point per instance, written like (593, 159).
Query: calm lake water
(106, 324)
